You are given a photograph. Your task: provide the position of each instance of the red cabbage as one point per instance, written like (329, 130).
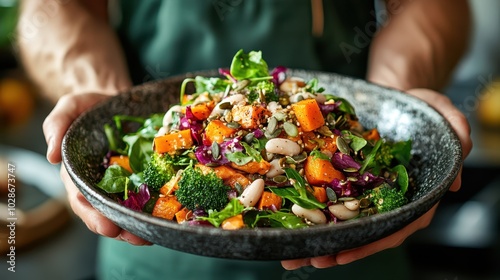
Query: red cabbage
(279, 75)
(137, 200)
(342, 161)
(204, 154)
(328, 108)
(227, 73)
(191, 122)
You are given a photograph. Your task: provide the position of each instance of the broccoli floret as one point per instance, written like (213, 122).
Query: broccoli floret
(386, 198)
(199, 190)
(159, 170)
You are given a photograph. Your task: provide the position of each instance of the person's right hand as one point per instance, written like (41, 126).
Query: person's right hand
(67, 109)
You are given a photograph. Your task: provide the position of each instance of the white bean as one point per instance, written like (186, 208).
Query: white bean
(352, 204)
(283, 147)
(342, 213)
(168, 118)
(252, 193)
(275, 169)
(233, 99)
(314, 215)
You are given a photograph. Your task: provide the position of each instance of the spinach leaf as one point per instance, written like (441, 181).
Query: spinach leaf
(115, 180)
(280, 219)
(252, 152)
(139, 151)
(402, 179)
(402, 152)
(246, 66)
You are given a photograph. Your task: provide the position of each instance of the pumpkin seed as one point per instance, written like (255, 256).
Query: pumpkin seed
(215, 150)
(290, 129)
(249, 137)
(279, 116)
(343, 146)
(280, 179)
(212, 164)
(233, 125)
(272, 124)
(324, 130)
(346, 198)
(352, 179)
(274, 134)
(332, 196)
(351, 169)
(238, 187)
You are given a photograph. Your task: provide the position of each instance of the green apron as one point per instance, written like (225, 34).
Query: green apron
(163, 38)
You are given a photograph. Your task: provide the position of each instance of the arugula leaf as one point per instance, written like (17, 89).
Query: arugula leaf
(115, 180)
(246, 66)
(308, 202)
(369, 159)
(233, 208)
(312, 86)
(252, 152)
(301, 196)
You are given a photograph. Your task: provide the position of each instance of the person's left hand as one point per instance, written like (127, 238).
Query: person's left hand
(461, 126)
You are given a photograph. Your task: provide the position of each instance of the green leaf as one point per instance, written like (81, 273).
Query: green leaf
(402, 179)
(281, 219)
(370, 157)
(233, 208)
(139, 151)
(319, 155)
(402, 152)
(239, 158)
(210, 84)
(246, 66)
(115, 180)
(252, 152)
(308, 202)
(356, 143)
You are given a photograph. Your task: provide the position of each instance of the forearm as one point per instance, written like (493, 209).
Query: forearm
(420, 45)
(73, 50)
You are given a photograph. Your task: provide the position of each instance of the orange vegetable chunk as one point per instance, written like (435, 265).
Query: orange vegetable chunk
(235, 222)
(227, 174)
(122, 161)
(249, 116)
(183, 215)
(320, 194)
(268, 199)
(217, 131)
(308, 114)
(172, 142)
(252, 167)
(320, 171)
(166, 207)
(202, 111)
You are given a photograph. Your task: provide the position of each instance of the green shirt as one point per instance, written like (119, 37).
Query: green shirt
(163, 38)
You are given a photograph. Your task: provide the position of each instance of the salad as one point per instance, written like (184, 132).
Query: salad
(254, 148)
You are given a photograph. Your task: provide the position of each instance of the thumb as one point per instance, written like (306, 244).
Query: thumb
(67, 109)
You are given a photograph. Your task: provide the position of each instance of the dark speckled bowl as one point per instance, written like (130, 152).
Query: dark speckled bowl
(398, 116)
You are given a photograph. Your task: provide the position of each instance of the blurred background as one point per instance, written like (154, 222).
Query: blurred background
(461, 243)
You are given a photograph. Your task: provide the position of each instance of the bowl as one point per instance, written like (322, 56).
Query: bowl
(397, 116)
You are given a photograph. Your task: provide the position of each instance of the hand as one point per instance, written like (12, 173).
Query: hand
(459, 123)
(55, 125)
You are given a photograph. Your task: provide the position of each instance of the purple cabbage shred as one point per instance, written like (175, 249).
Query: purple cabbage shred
(137, 200)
